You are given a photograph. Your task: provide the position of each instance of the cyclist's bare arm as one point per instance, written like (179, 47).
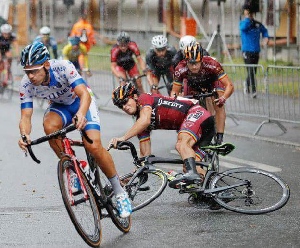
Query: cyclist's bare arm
(113, 67)
(140, 125)
(176, 90)
(141, 62)
(25, 126)
(229, 88)
(85, 101)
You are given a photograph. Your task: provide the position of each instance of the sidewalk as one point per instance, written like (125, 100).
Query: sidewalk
(243, 127)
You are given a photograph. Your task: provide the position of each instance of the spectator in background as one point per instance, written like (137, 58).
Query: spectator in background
(251, 32)
(72, 51)
(122, 61)
(85, 31)
(47, 40)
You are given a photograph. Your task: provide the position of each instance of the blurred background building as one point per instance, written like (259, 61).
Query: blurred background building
(214, 22)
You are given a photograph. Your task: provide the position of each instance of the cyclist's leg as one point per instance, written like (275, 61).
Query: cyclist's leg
(55, 118)
(104, 159)
(135, 72)
(8, 55)
(220, 115)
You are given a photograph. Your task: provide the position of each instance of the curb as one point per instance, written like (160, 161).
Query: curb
(244, 135)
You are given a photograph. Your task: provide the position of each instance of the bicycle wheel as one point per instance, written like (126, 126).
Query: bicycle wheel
(123, 224)
(263, 192)
(145, 187)
(85, 214)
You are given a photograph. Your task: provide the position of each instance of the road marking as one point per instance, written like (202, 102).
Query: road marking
(233, 162)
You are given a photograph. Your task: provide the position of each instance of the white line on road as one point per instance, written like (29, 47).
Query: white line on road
(233, 162)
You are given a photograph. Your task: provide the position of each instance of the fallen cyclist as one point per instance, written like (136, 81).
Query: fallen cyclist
(194, 124)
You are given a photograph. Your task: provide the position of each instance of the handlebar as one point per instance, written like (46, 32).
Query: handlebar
(200, 95)
(56, 134)
(133, 79)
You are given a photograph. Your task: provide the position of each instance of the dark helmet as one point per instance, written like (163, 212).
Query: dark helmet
(121, 94)
(123, 37)
(34, 54)
(74, 40)
(193, 53)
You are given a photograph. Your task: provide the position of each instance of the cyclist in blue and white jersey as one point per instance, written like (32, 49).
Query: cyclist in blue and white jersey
(59, 82)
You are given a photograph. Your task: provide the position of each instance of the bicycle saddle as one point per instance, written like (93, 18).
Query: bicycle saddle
(223, 149)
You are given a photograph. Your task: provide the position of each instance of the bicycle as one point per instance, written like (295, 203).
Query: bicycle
(6, 81)
(243, 190)
(92, 202)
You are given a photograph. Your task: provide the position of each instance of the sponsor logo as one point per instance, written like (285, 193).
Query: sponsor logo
(169, 103)
(195, 116)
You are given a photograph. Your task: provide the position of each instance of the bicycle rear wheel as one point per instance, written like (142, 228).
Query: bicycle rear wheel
(85, 214)
(145, 187)
(263, 192)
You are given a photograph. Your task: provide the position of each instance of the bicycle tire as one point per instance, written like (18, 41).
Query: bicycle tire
(144, 187)
(267, 192)
(85, 216)
(123, 224)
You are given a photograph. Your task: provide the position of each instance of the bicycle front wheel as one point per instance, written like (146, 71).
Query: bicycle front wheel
(84, 213)
(256, 191)
(144, 187)
(123, 224)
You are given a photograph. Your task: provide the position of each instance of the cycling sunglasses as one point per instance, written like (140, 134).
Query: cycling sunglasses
(122, 102)
(33, 71)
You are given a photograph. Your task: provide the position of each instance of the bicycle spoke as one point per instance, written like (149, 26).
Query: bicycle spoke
(262, 192)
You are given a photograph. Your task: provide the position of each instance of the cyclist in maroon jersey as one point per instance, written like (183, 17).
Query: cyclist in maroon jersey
(195, 126)
(198, 73)
(122, 61)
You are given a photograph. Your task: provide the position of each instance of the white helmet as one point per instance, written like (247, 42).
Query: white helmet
(45, 30)
(6, 28)
(185, 41)
(159, 41)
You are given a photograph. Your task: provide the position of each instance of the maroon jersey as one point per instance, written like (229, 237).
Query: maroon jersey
(169, 113)
(205, 80)
(125, 59)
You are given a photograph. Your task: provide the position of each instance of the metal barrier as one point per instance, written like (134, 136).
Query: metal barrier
(277, 100)
(277, 97)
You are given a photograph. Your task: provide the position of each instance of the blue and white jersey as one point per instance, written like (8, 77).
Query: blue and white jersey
(63, 79)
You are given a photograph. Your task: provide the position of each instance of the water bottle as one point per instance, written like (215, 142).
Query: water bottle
(75, 183)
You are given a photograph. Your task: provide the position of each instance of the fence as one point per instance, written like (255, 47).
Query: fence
(277, 98)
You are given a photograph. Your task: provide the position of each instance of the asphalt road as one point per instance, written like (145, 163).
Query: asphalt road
(32, 212)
